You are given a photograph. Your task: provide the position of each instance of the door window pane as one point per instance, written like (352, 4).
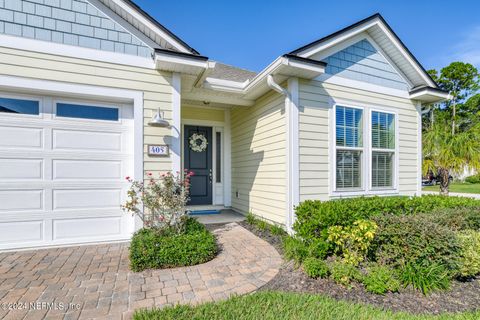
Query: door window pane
(18, 106)
(86, 112)
(348, 169)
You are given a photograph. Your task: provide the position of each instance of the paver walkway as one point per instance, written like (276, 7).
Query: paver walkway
(96, 283)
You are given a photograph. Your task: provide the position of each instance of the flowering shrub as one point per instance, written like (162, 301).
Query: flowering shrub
(163, 201)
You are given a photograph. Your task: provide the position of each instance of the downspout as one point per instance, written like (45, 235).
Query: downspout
(289, 196)
(275, 86)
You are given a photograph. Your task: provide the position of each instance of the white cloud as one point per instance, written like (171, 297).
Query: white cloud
(468, 49)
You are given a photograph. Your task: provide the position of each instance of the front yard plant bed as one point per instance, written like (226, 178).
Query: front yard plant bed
(286, 306)
(413, 260)
(161, 248)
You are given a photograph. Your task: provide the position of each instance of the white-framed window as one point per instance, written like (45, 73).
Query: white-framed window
(365, 155)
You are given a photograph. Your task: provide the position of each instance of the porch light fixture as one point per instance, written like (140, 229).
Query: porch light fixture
(158, 120)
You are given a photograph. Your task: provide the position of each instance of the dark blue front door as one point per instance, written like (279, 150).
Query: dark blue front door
(200, 162)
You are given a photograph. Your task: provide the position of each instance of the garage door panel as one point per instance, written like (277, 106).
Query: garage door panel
(19, 137)
(92, 198)
(86, 169)
(21, 200)
(89, 228)
(81, 140)
(19, 232)
(20, 169)
(62, 178)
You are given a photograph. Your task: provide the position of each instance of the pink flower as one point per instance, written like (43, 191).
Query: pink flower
(149, 174)
(127, 178)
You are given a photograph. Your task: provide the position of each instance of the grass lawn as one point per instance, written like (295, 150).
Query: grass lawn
(291, 306)
(457, 187)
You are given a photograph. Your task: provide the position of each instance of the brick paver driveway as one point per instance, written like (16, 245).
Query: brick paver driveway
(95, 281)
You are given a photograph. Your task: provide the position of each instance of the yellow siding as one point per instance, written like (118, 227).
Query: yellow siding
(259, 158)
(209, 114)
(155, 85)
(315, 101)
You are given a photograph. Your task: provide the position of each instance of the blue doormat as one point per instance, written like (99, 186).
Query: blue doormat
(202, 212)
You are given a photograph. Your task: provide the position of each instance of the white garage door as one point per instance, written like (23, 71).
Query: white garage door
(63, 164)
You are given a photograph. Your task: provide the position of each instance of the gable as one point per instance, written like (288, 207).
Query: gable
(70, 22)
(361, 61)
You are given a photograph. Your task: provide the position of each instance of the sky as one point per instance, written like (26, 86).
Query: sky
(251, 34)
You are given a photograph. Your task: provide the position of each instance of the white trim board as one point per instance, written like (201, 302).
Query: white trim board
(360, 85)
(74, 51)
(176, 126)
(293, 151)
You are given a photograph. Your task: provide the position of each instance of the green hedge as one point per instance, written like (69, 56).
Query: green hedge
(151, 248)
(473, 179)
(315, 217)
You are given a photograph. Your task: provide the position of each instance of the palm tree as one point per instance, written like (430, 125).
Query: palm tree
(446, 153)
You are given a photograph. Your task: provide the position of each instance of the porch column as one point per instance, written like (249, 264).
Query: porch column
(176, 123)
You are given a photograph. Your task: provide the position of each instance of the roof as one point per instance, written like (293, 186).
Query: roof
(228, 72)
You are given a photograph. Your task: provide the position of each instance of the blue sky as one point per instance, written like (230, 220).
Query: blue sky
(251, 34)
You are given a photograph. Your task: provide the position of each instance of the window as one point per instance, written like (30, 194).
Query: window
(87, 112)
(354, 153)
(383, 149)
(218, 157)
(17, 106)
(349, 147)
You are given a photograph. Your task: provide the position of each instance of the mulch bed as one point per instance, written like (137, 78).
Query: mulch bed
(462, 296)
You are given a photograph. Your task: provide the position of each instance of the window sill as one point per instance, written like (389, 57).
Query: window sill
(356, 193)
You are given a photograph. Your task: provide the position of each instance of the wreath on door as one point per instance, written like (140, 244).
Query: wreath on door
(198, 142)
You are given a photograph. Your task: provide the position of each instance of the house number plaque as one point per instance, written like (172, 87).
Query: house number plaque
(158, 150)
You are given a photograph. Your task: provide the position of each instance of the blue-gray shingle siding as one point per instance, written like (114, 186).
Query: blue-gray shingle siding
(361, 61)
(71, 22)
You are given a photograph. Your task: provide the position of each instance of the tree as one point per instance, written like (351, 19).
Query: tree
(460, 80)
(447, 152)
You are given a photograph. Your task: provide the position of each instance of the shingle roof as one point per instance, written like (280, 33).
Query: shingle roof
(228, 72)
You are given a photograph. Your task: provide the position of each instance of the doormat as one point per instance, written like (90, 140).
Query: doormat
(202, 212)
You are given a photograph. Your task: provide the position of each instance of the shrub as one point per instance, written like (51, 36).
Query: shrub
(315, 268)
(469, 264)
(295, 249)
(277, 230)
(160, 203)
(473, 179)
(343, 273)
(251, 219)
(319, 248)
(380, 279)
(426, 277)
(415, 238)
(459, 218)
(315, 217)
(352, 241)
(165, 248)
(261, 224)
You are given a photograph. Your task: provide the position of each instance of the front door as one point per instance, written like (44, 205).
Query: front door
(198, 158)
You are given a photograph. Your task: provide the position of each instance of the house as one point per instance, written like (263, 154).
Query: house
(87, 88)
